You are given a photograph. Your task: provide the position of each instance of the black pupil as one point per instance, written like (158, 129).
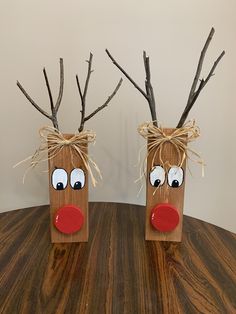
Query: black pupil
(60, 186)
(175, 184)
(157, 183)
(77, 185)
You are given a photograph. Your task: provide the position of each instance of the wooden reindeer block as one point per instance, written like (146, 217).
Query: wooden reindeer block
(69, 163)
(68, 187)
(165, 194)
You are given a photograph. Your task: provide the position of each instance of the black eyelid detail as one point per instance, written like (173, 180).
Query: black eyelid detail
(157, 166)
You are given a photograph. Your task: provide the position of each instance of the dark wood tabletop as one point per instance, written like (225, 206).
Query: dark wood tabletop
(117, 271)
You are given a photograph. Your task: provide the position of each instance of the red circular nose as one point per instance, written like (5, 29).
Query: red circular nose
(164, 217)
(68, 219)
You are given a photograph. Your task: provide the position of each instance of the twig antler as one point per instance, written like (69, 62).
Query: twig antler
(194, 92)
(149, 94)
(84, 93)
(54, 108)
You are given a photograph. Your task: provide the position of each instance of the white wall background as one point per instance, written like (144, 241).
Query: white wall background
(34, 34)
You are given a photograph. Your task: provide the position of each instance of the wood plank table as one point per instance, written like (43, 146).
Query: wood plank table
(117, 271)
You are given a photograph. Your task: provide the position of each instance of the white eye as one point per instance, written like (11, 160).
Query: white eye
(59, 179)
(77, 179)
(175, 176)
(157, 176)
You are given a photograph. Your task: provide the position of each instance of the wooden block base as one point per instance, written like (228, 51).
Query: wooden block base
(68, 188)
(167, 193)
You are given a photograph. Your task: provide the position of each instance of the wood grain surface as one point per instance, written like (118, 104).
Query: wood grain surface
(165, 193)
(68, 196)
(116, 271)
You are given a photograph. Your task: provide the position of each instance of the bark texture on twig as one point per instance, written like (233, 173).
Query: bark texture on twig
(83, 94)
(195, 91)
(54, 108)
(106, 102)
(149, 89)
(149, 94)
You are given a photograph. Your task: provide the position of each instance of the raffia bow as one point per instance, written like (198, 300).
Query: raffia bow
(53, 141)
(179, 138)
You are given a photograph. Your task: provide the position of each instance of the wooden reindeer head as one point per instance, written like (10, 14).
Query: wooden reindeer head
(68, 195)
(165, 175)
(165, 192)
(69, 165)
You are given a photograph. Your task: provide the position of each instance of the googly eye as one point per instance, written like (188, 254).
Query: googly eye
(157, 176)
(175, 177)
(59, 179)
(77, 179)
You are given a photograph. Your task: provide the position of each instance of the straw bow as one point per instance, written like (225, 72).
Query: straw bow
(179, 138)
(53, 141)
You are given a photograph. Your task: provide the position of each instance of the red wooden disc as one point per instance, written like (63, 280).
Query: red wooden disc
(164, 217)
(68, 219)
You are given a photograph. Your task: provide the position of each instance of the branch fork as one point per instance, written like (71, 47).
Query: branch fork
(83, 94)
(54, 108)
(194, 91)
(148, 94)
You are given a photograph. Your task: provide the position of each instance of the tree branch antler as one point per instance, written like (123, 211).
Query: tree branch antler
(84, 93)
(194, 91)
(149, 94)
(54, 109)
(106, 102)
(59, 98)
(149, 89)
